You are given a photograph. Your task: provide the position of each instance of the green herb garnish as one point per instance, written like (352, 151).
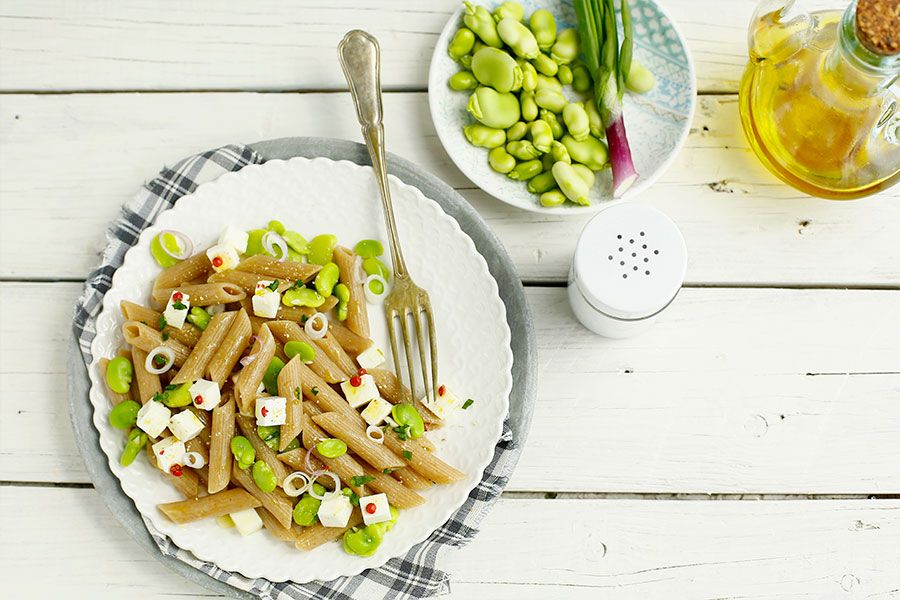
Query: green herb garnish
(315, 391)
(361, 480)
(407, 455)
(179, 306)
(467, 403)
(273, 286)
(402, 432)
(161, 323)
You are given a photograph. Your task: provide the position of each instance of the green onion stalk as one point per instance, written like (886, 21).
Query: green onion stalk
(609, 64)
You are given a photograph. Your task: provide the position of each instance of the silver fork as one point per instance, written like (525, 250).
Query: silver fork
(360, 59)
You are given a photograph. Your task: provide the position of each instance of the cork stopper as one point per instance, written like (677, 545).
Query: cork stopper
(878, 25)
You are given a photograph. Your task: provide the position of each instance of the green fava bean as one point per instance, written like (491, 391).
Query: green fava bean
(496, 69)
(581, 79)
(302, 297)
(529, 75)
(254, 242)
(509, 10)
(342, 293)
(553, 101)
(559, 153)
(545, 65)
(564, 74)
(276, 226)
(526, 170)
(270, 378)
(518, 37)
(523, 150)
(576, 120)
(552, 120)
(332, 448)
(362, 542)
(640, 79)
(296, 242)
(137, 439)
(461, 44)
(462, 81)
(368, 248)
(294, 444)
(548, 83)
(543, 25)
(270, 434)
(327, 278)
(305, 511)
(565, 49)
(124, 414)
(466, 63)
(178, 397)
(199, 317)
(552, 198)
(374, 266)
(492, 108)
(542, 183)
(517, 131)
(484, 136)
(594, 118)
(119, 373)
(385, 526)
(243, 451)
(264, 476)
(547, 161)
(585, 174)
(321, 249)
(501, 161)
(306, 352)
(541, 135)
(406, 414)
(570, 182)
(480, 21)
(529, 106)
(158, 247)
(591, 151)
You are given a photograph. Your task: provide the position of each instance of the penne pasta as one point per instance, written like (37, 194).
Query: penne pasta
(273, 268)
(195, 267)
(323, 396)
(322, 365)
(398, 494)
(301, 313)
(276, 502)
(296, 459)
(188, 334)
(148, 384)
(352, 343)
(220, 457)
(285, 534)
(332, 349)
(227, 355)
(247, 425)
(290, 386)
(214, 505)
(357, 313)
(411, 479)
(393, 391)
(315, 535)
(421, 460)
(188, 483)
(344, 466)
(344, 428)
(146, 338)
(114, 398)
(246, 281)
(203, 294)
(195, 365)
(248, 379)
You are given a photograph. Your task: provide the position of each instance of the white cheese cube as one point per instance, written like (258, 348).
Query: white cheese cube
(169, 452)
(376, 411)
(265, 301)
(153, 418)
(443, 404)
(271, 410)
(357, 395)
(375, 509)
(223, 257)
(234, 238)
(370, 358)
(177, 309)
(206, 394)
(185, 425)
(246, 521)
(335, 510)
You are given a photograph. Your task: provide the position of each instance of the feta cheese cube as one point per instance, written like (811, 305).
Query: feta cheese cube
(271, 410)
(177, 309)
(265, 301)
(153, 418)
(206, 394)
(370, 358)
(335, 510)
(169, 452)
(375, 509)
(223, 257)
(443, 404)
(185, 425)
(234, 238)
(376, 411)
(357, 395)
(246, 521)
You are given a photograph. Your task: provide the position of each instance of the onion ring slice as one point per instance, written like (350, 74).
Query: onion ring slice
(311, 331)
(165, 352)
(272, 240)
(183, 241)
(334, 478)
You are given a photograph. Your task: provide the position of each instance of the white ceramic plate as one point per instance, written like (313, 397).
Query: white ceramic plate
(323, 196)
(657, 122)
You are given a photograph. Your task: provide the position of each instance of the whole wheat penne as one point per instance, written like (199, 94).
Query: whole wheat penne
(229, 352)
(322, 365)
(192, 268)
(285, 534)
(344, 428)
(296, 459)
(195, 365)
(214, 505)
(315, 535)
(276, 269)
(411, 479)
(248, 379)
(197, 445)
(113, 397)
(146, 338)
(357, 313)
(395, 392)
(421, 460)
(187, 483)
(354, 344)
(247, 281)
(301, 313)
(276, 502)
(332, 349)
(398, 495)
(319, 392)
(188, 334)
(344, 466)
(290, 386)
(220, 456)
(247, 425)
(203, 294)
(148, 384)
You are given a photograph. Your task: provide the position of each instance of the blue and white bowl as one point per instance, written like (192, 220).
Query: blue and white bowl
(657, 122)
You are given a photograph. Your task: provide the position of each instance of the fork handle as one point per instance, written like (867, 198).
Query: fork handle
(360, 59)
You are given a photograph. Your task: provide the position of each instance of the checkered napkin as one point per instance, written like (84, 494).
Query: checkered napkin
(411, 576)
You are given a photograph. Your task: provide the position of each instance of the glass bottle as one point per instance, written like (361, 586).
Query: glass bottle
(818, 99)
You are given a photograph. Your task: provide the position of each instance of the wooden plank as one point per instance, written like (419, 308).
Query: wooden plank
(78, 157)
(271, 45)
(572, 549)
(714, 399)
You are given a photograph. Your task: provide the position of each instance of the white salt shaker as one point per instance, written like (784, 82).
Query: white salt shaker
(628, 267)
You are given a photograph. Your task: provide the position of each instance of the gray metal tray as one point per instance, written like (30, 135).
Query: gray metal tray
(524, 371)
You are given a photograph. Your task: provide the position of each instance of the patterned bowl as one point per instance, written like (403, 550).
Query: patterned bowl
(657, 122)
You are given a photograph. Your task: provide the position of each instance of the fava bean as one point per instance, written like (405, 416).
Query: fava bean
(544, 27)
(570, 182)
(542, 183)
(526, 170)
(548, 83)
(199, 317)
(559, 153)
(342, 293)
(565, 49)
(327, 278)
(494, 109)
(496, 69)
(523, 150)
(581, 78)
(362, 542)
(406, 414)
(640, 79)
(510, 10)
(243, 451)
(584, 173)
(254, 242)
(296, 242)
(368, 249)
(500, 160)
(119, 373)
(482, 24)
(545, 65)
(552, 198)
(293, 348)
(163, 258)
(277, 227)
(264, 476)
(594, 118)
(484, 136)
(466, 63)
(552, 120)
(547, 161)
(374, 266)
(270, 377)
(321, 249)
(461, 44)
(553, 101)
(462, 81)
(306, 509)
(385, 526)
(529, 107)
(529, 75)
(332, 447)
(518, 37)
(302, 297)
(590, 151)
(124, 414)
(564, 74)
(541, 135)
(576, 120)
(294, 444)
(178, 396)
(270, 434)
(517, 131)
(137, 439)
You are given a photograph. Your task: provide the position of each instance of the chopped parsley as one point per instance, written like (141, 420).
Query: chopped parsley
(407, 455)
(360, 480)
(402, 432)
(354, 499)
(467, 403)
(315, 391)
(165, 336)
(171, 387)
(387, 471)
(160, 361)
(179, 305)
(297, 393)
(161, 323)
(273, 286)
(157, 397)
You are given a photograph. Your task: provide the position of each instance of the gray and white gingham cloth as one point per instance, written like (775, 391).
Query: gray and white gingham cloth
(411, 576)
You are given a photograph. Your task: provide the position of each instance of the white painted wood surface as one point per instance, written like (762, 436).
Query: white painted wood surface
(743, 388)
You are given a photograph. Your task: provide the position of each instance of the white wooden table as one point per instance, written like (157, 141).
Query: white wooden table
(747, 447)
